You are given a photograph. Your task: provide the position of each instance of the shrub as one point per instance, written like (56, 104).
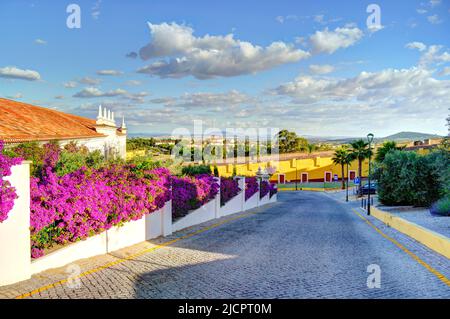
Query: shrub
(406, 178)
(229, 188)
(140, 163)
(69, 162)
(441, 207)
(251, 187)
(193, 170)
(7, 192)
(191, 193)
(31, 151)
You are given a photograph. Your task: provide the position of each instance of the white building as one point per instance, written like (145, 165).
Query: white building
(21, 122)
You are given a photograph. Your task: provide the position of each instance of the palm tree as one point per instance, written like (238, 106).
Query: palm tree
(360, 151)
(311, 148)
(342, 157)
(386, 148)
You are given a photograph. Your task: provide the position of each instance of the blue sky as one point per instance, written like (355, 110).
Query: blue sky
(310, 66)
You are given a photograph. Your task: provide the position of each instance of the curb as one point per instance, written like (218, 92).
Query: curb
(437, 242)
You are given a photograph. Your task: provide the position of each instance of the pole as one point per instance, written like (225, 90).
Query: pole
(346, 189)
(368, 195)
(296, 175)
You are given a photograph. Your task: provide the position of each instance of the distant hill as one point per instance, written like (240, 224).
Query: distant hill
(408, 136)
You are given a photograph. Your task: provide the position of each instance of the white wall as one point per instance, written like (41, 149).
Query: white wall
(15, 230)
(15, 261)
(203, 214)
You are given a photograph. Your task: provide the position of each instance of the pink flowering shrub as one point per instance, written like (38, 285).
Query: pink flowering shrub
(191, 193)
(88, 201)
(251, 187)
(7, 192)
(229, 188)
(265, 188)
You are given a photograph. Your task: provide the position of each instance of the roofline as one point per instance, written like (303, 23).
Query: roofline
(43, 139)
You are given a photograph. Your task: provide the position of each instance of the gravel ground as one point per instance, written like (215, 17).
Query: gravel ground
(422, 217)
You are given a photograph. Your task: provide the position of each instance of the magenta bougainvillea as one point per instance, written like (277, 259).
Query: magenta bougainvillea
(272, 189)
(88, 201)
(7, 192)
(265, 188)
(192, 192)
(229, 188)
(251, 187)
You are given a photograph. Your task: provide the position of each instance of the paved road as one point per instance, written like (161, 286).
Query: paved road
(308, 245)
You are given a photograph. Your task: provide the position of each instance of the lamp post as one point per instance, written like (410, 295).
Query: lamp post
(348, 179)
(370, 140)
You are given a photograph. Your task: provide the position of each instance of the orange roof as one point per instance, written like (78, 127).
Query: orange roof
(20, 122)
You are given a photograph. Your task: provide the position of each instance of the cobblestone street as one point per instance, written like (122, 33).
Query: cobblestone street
(308, 245)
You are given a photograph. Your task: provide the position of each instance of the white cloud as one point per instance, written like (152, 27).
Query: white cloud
(319, 18)
(282, 19)
(207, 100)
(133, 82)
(388, 87)
(109, 72)
(92, 92)
(11, 72)
(421, 11)
(395, 99)
(434, 3)
(434, 55)
(416, 45)
(15, 96)
(40, 41)
(330, 41)
(321, 69)
(210, 56)
(70, 84)
(89, 81)
(95, 10)
(434, 19)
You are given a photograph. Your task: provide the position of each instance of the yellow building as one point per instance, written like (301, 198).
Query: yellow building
(313, 169)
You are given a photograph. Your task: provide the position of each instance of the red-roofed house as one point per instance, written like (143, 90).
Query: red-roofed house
(22, 122)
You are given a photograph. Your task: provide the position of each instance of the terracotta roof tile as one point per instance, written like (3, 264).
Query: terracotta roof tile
(25, 122)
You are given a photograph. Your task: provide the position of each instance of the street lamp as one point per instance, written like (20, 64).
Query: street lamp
(370, 140)
(348, 179)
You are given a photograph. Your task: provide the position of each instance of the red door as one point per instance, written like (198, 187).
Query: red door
(304, 177)
(352, 175)
(281, 179)
(327, 177)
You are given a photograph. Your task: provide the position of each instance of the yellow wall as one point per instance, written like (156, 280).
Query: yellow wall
(315, 167)
(132, 154)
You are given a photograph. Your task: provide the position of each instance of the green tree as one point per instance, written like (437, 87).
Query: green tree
(387, 147)
(310, 148)
(342, 157)
(360, 151)
(407, 178)
(287, 141)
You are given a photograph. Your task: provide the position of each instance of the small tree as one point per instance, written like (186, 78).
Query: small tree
(360, 151)
(341, 157)
(387, 147)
